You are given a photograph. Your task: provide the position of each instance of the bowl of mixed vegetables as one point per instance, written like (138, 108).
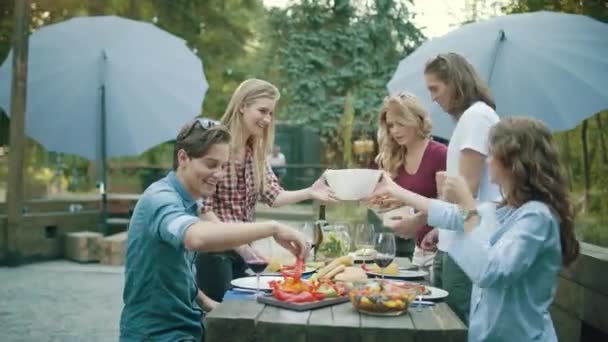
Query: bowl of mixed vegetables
(381, 297)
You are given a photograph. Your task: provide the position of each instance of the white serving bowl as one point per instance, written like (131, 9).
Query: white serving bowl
(352, 184)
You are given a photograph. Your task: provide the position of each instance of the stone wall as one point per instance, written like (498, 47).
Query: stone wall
(42, 234)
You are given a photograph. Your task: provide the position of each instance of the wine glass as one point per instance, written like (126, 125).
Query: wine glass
(343, 231)
(384, 243)
(308, 229)
(364, 239)
(258, 261)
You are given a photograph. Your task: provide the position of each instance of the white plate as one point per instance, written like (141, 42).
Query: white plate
(436, 293)
(249, 283)
(403, 274)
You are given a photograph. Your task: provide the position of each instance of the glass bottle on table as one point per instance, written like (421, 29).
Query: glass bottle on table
(318, 232)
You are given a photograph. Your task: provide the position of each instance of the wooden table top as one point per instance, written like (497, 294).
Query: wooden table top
(247, 320)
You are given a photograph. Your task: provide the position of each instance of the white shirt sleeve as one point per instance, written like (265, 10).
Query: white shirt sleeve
(478, 120)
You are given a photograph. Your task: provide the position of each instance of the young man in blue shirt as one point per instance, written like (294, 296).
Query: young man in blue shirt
(162, 301)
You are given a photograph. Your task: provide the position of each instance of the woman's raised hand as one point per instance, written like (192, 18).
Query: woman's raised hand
(456, 190)
(320, 191)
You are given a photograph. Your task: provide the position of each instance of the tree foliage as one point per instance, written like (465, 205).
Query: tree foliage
(597, 9)
(218, 31)
(320, 51)
(584, 149)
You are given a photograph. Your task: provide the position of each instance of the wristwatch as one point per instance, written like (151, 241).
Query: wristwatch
(467, 214)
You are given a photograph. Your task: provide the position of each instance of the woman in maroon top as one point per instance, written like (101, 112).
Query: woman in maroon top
(409, 154)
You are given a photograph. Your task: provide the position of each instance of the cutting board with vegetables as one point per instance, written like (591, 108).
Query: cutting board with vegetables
(294, 293)
(271, 300)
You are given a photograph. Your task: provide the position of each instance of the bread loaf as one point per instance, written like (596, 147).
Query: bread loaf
(343, 260)
(351, 274)
(392, 269)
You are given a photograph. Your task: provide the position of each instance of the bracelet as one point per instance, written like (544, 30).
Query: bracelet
(466, 214)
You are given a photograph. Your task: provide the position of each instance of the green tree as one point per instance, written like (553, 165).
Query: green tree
(320, 51)
(583, 149)
(594, 8)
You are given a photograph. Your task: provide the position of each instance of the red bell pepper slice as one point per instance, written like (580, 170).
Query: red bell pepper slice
(340, 289)
(302, 297)
(294, 271)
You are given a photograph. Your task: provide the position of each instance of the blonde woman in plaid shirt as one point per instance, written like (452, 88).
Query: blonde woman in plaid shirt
(250, 117)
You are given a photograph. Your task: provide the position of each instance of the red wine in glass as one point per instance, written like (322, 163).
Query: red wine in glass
(383, 260)
(258, 266)
(384, 243)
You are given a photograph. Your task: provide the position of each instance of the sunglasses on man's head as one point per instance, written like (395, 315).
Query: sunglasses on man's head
(204, 123)
(406, 95)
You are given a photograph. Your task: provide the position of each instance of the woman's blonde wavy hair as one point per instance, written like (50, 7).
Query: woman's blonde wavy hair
(411, 113)
(245, 95)
(525, 148)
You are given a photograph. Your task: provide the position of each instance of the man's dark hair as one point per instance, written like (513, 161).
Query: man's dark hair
(197, 137)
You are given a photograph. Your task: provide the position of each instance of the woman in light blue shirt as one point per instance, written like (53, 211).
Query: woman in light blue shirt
(512, 252)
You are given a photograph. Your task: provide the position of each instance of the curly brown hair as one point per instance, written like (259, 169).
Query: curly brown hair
(525, 147)
(455, 71)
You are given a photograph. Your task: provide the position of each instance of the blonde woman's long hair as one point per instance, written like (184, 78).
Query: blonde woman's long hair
(410, 112)
(246, 94)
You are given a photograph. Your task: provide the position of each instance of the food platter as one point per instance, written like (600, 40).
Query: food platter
(270, 300)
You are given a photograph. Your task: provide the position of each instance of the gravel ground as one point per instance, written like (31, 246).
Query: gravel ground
(60, 301)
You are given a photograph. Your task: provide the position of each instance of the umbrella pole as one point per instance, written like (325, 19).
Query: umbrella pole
(499, 42)
(103, 155)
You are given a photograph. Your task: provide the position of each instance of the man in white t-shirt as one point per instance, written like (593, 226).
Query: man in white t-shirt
(455, 86)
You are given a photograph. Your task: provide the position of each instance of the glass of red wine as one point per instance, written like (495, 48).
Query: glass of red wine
(259, 259)
(384, 244)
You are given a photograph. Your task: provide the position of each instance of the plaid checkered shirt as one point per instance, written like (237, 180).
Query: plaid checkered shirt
(235, 198)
